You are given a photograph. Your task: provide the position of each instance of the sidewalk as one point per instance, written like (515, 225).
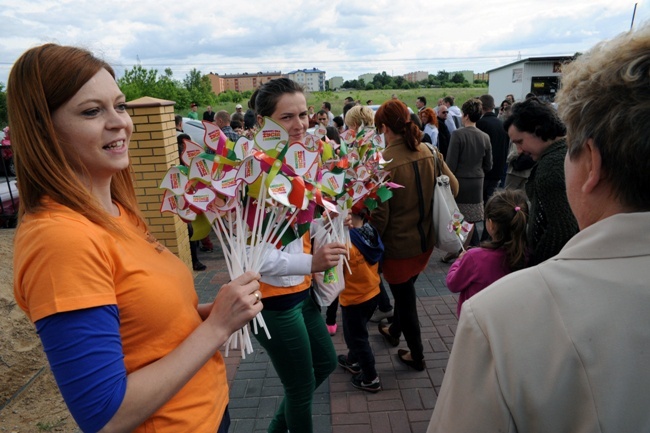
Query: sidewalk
(403, 406)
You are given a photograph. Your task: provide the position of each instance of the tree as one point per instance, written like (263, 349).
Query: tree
(401, 83)
(172, 90)
(383, 81)
(199, 87)
(4, 118)
(138, 82)
(458, 78)
(442, 76)
(355, 84)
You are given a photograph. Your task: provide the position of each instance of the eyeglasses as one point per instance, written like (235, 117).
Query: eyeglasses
(444, 112)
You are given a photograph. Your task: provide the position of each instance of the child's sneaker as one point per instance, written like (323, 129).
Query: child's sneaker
(331, 329)
(353, 368)
(358, 381)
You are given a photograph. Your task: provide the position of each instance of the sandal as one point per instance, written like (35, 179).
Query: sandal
(383, 330)
(416, 365)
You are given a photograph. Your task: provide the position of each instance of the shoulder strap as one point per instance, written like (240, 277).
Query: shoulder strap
(438, 162)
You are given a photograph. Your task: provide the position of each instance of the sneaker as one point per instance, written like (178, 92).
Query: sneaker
(206, 249)
(359, 383)
(353, 368)
(379, 315)
(331, 329)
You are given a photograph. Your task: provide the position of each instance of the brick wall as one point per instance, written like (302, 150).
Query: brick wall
(153, 150)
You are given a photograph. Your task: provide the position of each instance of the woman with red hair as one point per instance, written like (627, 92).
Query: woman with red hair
(405, 223)
(430, 124)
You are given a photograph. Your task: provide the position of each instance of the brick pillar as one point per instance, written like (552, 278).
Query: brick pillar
(153, 150)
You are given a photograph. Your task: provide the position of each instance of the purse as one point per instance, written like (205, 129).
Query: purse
(445, 212)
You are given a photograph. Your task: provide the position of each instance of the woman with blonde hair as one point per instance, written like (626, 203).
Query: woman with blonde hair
(405, 223)
(359, 115)
(117, 313)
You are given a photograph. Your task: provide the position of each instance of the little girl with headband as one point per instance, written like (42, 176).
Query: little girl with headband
(506, 216)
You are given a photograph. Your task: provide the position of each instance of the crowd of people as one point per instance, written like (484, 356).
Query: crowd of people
(553, 295)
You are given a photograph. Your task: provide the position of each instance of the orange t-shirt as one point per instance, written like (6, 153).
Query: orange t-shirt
(363, 283)
(63, 262)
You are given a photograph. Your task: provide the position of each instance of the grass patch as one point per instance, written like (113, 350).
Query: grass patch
(49, 426)
(408, 96)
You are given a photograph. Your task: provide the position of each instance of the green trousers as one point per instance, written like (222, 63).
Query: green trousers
(303, 356)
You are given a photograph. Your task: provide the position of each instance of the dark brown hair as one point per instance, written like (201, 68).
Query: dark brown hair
(473, 109)
(266, 98)
(508, 210)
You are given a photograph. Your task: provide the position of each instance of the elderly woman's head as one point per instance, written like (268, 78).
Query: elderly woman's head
(605, 103)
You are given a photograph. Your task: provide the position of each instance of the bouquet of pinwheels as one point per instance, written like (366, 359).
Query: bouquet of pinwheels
(352, 177)
(255, 194)
(262, 193)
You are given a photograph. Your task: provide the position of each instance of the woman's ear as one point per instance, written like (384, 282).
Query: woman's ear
(594, 162)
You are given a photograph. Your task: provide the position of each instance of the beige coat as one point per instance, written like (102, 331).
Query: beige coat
(560, 347)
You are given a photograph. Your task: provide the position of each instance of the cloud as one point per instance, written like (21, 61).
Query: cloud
(345, 38)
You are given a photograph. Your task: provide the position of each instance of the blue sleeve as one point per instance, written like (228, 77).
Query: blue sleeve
(84, 349)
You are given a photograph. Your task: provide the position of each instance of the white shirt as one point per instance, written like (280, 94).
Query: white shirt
(432, 132)
(330, 115)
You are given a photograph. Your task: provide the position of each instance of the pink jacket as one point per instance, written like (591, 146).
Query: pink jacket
(477, 269)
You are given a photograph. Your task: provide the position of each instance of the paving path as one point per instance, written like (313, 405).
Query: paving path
(408, 396)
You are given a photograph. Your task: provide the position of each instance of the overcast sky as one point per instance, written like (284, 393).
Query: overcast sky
(341, 37)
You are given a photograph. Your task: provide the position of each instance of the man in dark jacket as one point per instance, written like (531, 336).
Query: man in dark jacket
(444, 135)
(493, 126)
(208, 114)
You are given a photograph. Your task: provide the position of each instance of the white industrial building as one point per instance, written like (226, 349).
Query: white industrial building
(538, 75)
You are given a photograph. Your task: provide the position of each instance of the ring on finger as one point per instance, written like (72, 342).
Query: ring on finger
(257, 296)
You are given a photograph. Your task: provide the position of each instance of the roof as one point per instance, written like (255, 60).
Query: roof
(249, 74)
(307, 71)
(536, 59)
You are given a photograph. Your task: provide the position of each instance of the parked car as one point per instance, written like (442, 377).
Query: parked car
(6, 155)
(195, 129)
(8, 202)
